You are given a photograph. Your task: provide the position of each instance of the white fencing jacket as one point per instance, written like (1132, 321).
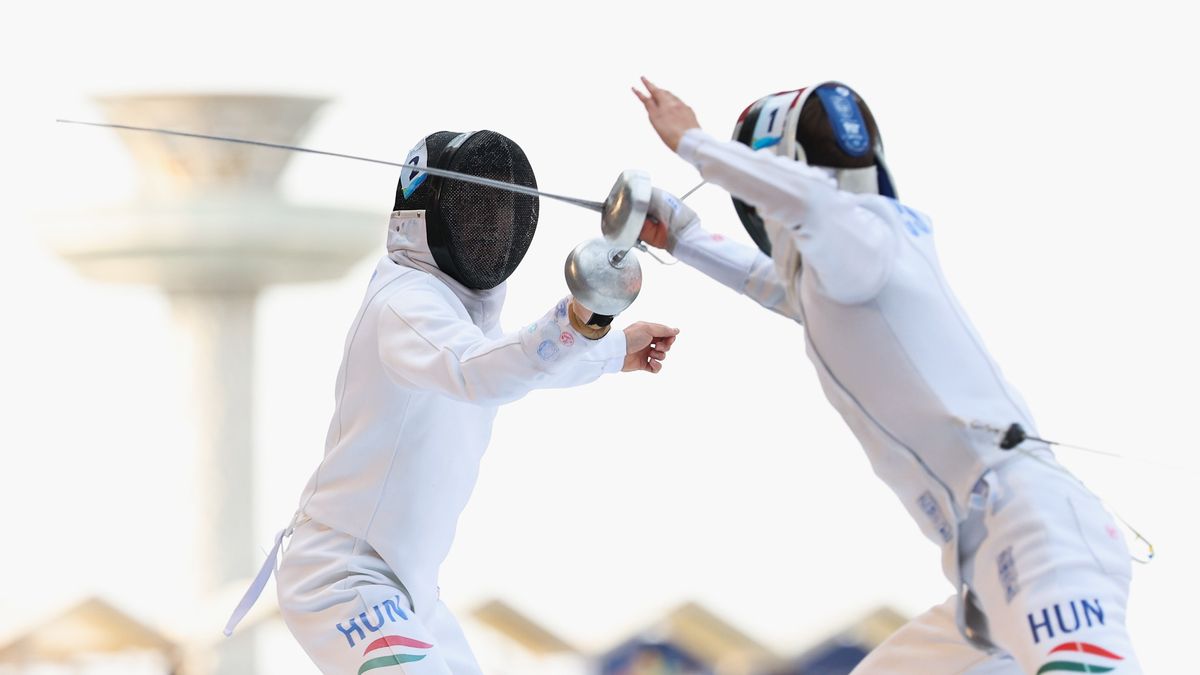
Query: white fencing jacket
(895, 353)
(425, 367)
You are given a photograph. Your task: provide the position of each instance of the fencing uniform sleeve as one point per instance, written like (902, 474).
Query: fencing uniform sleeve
(425, 344)
(742, 268)
(849, 249)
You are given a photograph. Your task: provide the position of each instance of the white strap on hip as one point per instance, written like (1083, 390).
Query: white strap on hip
(259, 583)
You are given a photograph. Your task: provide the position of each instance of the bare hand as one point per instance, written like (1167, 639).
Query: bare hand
(670, 116)
(646, 345)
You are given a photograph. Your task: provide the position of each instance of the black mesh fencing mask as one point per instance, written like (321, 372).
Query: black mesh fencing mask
(477, 234)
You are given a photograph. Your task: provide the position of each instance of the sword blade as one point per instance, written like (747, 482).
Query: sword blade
(478, 180)
(689, 192)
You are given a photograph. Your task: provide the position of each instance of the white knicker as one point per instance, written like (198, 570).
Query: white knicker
(1051, 576)
(352, 615)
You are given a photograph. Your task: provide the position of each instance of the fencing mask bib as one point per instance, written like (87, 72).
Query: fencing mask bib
(477, 234)
(827, 125)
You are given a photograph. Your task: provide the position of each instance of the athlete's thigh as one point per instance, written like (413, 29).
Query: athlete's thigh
(452, 643)
(348, 611)
(1053, 578)
(371, 629)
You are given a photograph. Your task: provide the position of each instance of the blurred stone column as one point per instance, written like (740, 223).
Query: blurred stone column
(210, 228)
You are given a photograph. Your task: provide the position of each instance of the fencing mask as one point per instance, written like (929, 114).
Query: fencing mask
(477, 234)
(827, 125)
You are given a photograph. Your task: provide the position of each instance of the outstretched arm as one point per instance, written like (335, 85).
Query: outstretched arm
(675, 227)
(848, 248)
(425, 344)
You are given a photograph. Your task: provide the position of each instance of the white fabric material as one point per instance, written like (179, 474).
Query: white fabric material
(256, 586)
(898, 358)
(1052, 575)
(350, 613)
(862, 181)
(424, 369)
(895, 354)
(745, 269)
(837, 229)
(931, 645)
(407, 247)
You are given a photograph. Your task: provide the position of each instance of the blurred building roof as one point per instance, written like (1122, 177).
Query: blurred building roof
(92, 626)
(714, 640)
(689, 639)
(509, 622)
(840, 653)
(694, 632)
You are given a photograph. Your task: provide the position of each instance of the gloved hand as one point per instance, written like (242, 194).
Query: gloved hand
(666, 219)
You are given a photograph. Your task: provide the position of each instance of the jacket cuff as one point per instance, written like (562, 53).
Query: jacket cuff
(689, 145)
(612, 351)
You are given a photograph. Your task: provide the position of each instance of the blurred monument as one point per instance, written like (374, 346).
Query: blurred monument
(211, 229)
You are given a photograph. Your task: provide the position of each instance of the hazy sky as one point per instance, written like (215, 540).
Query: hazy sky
(1052, 144)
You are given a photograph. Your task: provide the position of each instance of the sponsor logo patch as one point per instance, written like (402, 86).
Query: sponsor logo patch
(914, 222)
(547, 350)
(930, 508)
(1008, 574)
(849, 127)
(1080, 657)
(566, 339)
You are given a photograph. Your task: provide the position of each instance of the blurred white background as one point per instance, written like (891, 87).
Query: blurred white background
(1052, 143)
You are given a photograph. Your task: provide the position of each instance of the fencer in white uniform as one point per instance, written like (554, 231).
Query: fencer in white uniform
(425, 367)
(1041, 570)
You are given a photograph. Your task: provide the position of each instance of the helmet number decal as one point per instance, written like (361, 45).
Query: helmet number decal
(411, 179)
(768, 130)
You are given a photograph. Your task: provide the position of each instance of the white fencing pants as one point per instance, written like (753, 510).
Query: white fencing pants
(352, 615)
(1052, 577)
